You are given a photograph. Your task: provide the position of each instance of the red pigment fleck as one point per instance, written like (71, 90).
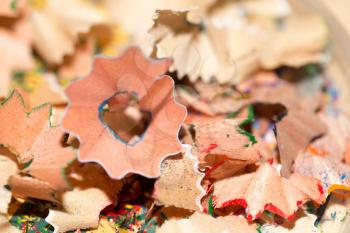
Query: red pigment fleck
(291, 217)
(320, 188)
(240, 202)
(250, 217)
(215, 166)
(270, 207)
(210, 148)
(299, 203)
(213, 198)
(115, 213)
(24, 227)
(270, 161)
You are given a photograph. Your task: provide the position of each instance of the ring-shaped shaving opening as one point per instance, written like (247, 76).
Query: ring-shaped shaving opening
(122, 115)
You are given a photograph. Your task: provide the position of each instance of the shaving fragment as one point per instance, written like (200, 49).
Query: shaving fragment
(78, 210)
(35, 142)
(222, 148)
(179, 184)
(134, 74)
(333, 174)
(276, 194)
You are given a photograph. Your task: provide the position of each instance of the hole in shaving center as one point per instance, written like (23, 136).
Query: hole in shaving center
(123, 116)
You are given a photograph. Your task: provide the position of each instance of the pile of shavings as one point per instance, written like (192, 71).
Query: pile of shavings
(201, 116)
